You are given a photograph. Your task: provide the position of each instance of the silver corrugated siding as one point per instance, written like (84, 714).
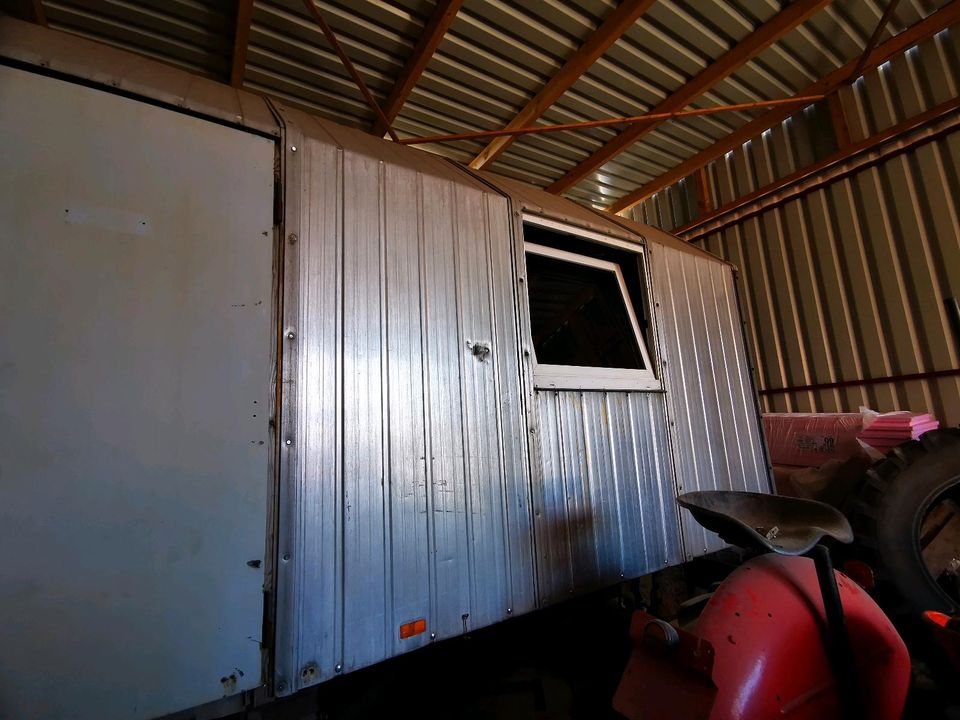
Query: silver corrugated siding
(608, 466)
(405, 490)
(848, 281)
(604, 491)
(717, 439)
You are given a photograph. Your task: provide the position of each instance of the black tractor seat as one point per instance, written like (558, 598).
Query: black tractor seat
(782, 525)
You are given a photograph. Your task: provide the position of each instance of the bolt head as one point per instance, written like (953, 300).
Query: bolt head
(293, 148)
(288, 441)
(291, 335)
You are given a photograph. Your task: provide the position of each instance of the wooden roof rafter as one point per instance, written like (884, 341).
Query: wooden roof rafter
(241, 40)
(940, 20)
(792, 16)
(444, 13)
(607, 33)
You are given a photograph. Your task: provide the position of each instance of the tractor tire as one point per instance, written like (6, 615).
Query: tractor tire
(887, 514)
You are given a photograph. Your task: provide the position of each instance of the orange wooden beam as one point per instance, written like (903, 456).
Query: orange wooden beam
(763, 37)
(443, 14)
(349, 66)
(616, 24)
(28, 10)
(874, 38)
(943, 18)
(704, 202)
(838, 118)
(648, 118)
(241, 39)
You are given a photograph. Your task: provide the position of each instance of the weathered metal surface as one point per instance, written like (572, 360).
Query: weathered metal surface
(128, 72)
(716, 436)
(135, 393)
(697, 324)
(404, 491)
(604, 491)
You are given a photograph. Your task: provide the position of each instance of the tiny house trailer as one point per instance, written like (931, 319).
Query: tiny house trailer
(280, 400)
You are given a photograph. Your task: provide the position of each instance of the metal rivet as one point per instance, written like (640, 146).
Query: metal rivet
(292, 238)
(288, 441)
(293, 148)
(291, 335)
(339, 667)
(509, 611)
(433, 636)
(286, 557)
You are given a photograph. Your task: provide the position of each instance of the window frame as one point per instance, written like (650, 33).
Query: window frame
(585, 377)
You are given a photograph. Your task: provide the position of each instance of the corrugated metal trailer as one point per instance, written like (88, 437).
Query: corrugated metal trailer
(256, 320)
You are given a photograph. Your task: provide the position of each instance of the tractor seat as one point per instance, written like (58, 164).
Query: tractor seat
(783, 525)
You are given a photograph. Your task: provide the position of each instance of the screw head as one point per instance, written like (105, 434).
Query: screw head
(338, 668)
(293, 148)
(292, 238)
(509, 611)
(291, 335)
(288, 441)
(286, 557)
(281, 686)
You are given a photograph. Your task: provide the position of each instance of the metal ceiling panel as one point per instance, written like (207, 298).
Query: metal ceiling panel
(496, 56)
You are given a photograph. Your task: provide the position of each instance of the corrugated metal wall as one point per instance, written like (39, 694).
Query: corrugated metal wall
(604, 496)
(717, 441)
(607, 467)
(404, 484)
(848, 281)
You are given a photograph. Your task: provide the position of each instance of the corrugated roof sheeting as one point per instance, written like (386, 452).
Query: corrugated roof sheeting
(494, 58)
(196, 35)
(848, 281)
(907, 85)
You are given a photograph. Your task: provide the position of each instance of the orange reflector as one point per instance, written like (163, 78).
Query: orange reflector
(417, 627)
(937, 618)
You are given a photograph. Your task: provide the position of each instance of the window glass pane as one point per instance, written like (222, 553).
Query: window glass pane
(578, 316)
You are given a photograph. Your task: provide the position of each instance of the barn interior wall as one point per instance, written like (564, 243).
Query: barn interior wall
(851, 280)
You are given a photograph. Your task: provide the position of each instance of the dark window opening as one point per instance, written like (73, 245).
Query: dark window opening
(578, 316)
(580, 310)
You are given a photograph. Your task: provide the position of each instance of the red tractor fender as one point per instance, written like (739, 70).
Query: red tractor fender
(764, 631)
